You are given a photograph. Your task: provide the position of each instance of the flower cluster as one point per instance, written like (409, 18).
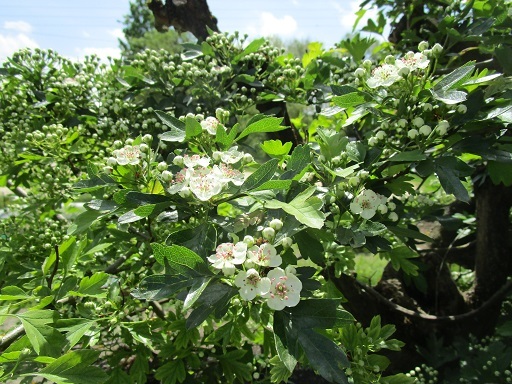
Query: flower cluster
(280, 287)
(393, 70)
(368, 203)
(201, 178)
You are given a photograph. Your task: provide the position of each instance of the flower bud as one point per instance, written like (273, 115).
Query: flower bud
(166, 176)
(422, 46)
(462, 109)
(276, 224)
(249, 240)
(437, 49)
(359, 72)
(287, 242)
(268, 233)
(162, 166)
(425, 130)
(367, 64)
(380, 135)
(442, 127)
(393, 216)
(178, 160)
(418, 122)
(147, 138)
(412, 133)
(402, 123)
(390, 59)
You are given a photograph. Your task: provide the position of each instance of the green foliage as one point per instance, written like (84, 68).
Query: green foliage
(156, 225)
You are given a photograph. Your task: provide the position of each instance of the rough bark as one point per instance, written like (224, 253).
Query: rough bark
(493, 264)
(185, 16)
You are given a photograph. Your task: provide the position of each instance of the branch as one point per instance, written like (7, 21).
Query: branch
(11, 336)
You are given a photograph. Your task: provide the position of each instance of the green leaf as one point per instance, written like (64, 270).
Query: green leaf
(370, 228)
(225, 139)
(400, 378)
(74, 333)
(157, 287)
(137, 214)
(451, 183)
(279, 372)
(415, 155)
(192, 127)
(214, 300)
(269, 124)
(319, 313)
(171, 372)
(94, 183)
(284, 355)
(276, 148)
(324, 356)
(83, 222)
(196, 291)
(454, 78)
(181, 259)
(450, 97)
(500, 172)
(304, 207)
(233, 368)
(176, 132)
(349, 100)
(310, 247)
(356, 151)
(300, 158)
(399, 258)
(251, 48)
(74, 368)
(92, 286)
(264, 173)
(274, 184)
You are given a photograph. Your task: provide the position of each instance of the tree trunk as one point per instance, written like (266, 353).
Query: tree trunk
(185, 16)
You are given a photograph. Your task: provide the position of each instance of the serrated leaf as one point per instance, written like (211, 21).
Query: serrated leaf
(454, 78)
(157, 287)
(263, 174)
(356, 151)
(304, 207)
(276, 148)
(370, 228)
(92, 285)
(192, 127)
(75, 368)
(310, 247)
(198, 287)
(409, 233)
(269, 124)
(300, 158)
(348, 100)
(279, 372)
(251, 48)
(176, 132)
(137, 214)
(274, 184)
(415, 155)
(399, 258)
(171, 372)
(451, 183)
(214, 300)
(319, 313)
(324, 355)
(181, 259)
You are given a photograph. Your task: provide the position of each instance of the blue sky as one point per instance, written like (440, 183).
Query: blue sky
(78, 28)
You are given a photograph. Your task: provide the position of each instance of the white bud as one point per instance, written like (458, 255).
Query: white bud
(402, 123)
(359, 72)
(425, 130)
(437, 49)
(162, 166)
(393, 216)
(178, 160)
(287, 242)
(268, 233)
(462, 109)
(418, 121)
(249, 240)
(412, 133)
(380, 135)
(166, 176)
(276, 224)
(422, 46)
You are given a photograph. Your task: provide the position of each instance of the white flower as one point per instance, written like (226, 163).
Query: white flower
(210, 125)
(366, 203)
(204, 184)
(231, 156)
(413, 61)
(129, 154)
(228, 174)
(284, 289)
(180, 181)
(264, 255)
(385, 75)
(195, 160)
(251, 284)
(227, 255)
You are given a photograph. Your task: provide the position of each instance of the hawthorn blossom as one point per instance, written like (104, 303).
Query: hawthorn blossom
(284, 290)
(413, 61)
(204, 184)
(227, 255)
(227, 174)
(264, 255)
(367, 203)
(251, 284)
(129, 154)
(231, 156)
(210, 125)
(195, 160)
(385, 75)
(180, 181)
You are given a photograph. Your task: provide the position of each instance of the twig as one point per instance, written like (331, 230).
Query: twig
(11, 336)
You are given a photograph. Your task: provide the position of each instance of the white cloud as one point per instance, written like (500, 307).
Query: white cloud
(270, 25)
(11, 42)
(19, 26)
